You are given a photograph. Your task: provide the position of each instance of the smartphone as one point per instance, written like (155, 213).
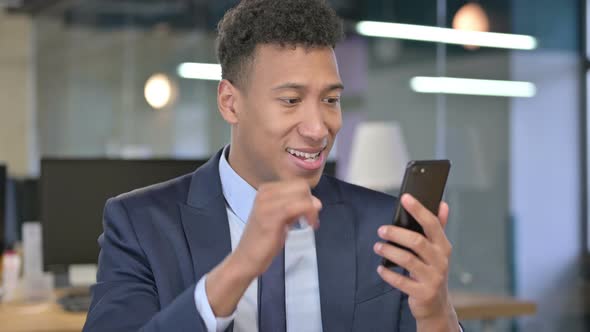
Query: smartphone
(425, 180)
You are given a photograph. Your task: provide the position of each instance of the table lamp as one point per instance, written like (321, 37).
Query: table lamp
(378, 156)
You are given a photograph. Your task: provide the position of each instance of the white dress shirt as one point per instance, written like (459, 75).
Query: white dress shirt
(302, 293)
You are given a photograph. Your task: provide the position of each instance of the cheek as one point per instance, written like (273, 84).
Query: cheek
(278, 124)
(267, 131)
(334, 121)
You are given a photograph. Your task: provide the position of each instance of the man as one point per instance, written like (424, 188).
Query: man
(258, 239)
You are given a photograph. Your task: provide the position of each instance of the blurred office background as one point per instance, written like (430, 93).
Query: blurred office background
(73, 80)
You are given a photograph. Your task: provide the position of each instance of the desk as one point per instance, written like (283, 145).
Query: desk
(488, 308)
(482, 307)
(49, 317)
(42, 317)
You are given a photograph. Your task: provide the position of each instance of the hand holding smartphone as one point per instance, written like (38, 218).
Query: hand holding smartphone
(425, 180)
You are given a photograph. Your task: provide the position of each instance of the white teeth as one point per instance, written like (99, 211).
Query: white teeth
(307, 156)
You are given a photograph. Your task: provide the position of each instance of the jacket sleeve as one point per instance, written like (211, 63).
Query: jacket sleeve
(125, 297)
(407, 322)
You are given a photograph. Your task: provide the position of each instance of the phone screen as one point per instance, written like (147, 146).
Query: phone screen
(425, 180)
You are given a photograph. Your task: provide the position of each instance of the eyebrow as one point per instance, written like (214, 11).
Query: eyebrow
(297, 86)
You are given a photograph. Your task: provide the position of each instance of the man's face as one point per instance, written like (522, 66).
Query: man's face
(288, 114)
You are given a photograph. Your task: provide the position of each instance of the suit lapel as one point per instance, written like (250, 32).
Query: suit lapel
(205, 223)
(207, 234)
(204, 219)
(336, 255)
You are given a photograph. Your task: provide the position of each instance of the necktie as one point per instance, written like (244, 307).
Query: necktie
(271, 297)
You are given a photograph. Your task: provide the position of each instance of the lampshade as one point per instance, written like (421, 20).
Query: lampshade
(160, 91)
(378, 156)
(471, 17)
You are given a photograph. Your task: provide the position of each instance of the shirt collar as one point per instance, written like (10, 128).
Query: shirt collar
(238, 193)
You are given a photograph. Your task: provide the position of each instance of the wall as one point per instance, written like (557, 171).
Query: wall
(17, 136)
(545, 190)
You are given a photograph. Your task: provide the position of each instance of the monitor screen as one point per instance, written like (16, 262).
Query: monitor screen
(73, 196)
(26, 201)
(330, 168)
(74, 192)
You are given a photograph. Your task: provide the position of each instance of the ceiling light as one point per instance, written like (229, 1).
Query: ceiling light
(200, 71)
(160, 91)
(467, 86)
(445, 35)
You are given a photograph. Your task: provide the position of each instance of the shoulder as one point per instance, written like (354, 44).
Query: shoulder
(149, 210)
(165, 193)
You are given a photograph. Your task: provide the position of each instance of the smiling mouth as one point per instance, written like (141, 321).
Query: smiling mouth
(305, 156)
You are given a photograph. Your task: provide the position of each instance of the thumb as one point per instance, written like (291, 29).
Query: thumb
(316, 202)
(443, 213)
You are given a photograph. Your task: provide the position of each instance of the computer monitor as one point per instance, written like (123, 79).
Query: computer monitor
(73, 196)
(26, 201)
(330, 168)
(3, 177)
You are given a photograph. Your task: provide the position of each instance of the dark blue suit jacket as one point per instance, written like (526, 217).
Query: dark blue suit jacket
(159, 241)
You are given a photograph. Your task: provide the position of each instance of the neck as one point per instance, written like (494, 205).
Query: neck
(239, 163)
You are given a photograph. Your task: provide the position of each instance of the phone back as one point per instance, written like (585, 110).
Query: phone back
(425, 180)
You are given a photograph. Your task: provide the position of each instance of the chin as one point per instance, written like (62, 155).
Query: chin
(311, 178)
(314, 179)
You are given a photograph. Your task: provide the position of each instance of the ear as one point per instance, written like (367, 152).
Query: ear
(226, 101)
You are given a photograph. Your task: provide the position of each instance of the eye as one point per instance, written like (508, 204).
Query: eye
(290, 101)
(332, 100)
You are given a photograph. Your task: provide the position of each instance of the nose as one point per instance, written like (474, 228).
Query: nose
(313, 126)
